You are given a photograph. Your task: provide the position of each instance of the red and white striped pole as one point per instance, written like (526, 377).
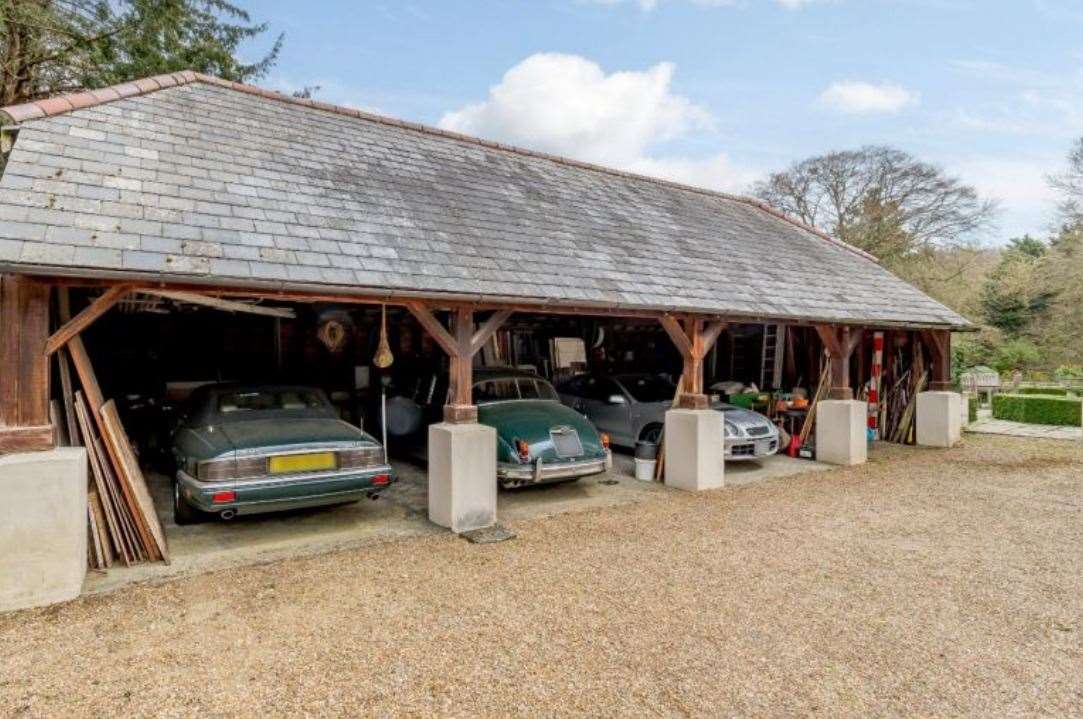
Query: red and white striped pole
(874, 384)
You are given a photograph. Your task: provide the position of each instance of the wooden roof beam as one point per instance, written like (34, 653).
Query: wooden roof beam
(84, 319)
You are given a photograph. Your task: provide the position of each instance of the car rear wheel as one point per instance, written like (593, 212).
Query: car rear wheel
(651, 433)
(184, 513)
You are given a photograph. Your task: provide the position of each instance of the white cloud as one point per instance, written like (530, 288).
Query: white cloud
(567, 105)
(715, 173)
(862, 98)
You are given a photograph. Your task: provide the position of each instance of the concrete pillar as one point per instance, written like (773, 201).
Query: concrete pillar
(939, 419)
(43, 527)
(841, 434)
(694, 458)
(462, 476)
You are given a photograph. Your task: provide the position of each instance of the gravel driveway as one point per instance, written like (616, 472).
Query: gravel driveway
(924, 583)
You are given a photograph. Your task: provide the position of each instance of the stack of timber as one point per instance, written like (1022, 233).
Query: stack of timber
(121, 518)
(821, 392)
(123, 525)
(900, 400)
(660, 465)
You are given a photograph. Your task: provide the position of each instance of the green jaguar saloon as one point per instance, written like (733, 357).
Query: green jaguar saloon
(538, 439)
(251, 449)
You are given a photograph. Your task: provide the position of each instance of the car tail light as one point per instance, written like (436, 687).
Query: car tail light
(250, 467)
(222, 470)
(217, 470)
(605, 440)
(382, 479)
(523, 449)
(225, 496)
(360, 458)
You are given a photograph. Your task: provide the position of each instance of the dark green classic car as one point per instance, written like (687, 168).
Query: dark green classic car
(538, 439)
(249, 449)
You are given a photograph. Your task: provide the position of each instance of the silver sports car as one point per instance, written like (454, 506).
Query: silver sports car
(631, 407)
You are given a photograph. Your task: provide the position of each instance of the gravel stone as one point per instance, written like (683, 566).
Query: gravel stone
(925, 583)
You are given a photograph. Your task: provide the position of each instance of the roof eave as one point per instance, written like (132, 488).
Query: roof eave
(540, 304)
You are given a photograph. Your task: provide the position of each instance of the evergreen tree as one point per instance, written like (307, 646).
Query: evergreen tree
(53, 46)
(1013, 298)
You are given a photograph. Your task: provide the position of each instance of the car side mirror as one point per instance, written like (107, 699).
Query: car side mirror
(617, 399)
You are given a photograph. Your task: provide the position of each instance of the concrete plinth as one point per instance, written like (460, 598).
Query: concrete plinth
(939, 419)
(694, 449)
(841, 435)
(462, 476)
(43, 527)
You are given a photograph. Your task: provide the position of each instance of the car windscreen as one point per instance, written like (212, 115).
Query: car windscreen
(536, 389)
(243, 402)
(648, 388)
(497, 390)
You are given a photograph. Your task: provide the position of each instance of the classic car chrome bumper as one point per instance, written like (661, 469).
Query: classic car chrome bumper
(539, 472)
(271, 494)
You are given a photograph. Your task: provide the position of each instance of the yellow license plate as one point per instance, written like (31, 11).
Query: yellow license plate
(315, 462)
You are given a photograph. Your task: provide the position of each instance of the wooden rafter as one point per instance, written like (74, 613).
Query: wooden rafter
(195, 298)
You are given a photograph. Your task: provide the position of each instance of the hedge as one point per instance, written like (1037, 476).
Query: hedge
(971, 408)
(1037, 409)
(1048, 391)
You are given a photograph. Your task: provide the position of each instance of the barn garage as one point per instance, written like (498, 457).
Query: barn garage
(183, 230)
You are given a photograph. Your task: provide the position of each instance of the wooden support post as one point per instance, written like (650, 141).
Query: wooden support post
(840, 343)
(939, 344)
(460, 344)
(24, 367)
(460, 401)
(693, 339)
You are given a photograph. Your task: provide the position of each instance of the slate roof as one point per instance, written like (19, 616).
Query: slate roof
(187, 178)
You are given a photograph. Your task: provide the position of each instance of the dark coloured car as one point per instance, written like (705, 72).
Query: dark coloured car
(250, 449)
(539, 440)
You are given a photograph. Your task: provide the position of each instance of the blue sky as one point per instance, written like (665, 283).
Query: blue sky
(717, 92)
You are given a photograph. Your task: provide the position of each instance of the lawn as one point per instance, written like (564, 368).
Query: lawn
(927, 582)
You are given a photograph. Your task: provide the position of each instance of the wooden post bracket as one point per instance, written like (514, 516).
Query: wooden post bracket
(460, 344)
(693, 338)
(939, 344)
(84, 319)
(840, 342)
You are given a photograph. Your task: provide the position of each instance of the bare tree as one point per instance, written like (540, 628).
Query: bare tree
(1070, 184)
(880, 199)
